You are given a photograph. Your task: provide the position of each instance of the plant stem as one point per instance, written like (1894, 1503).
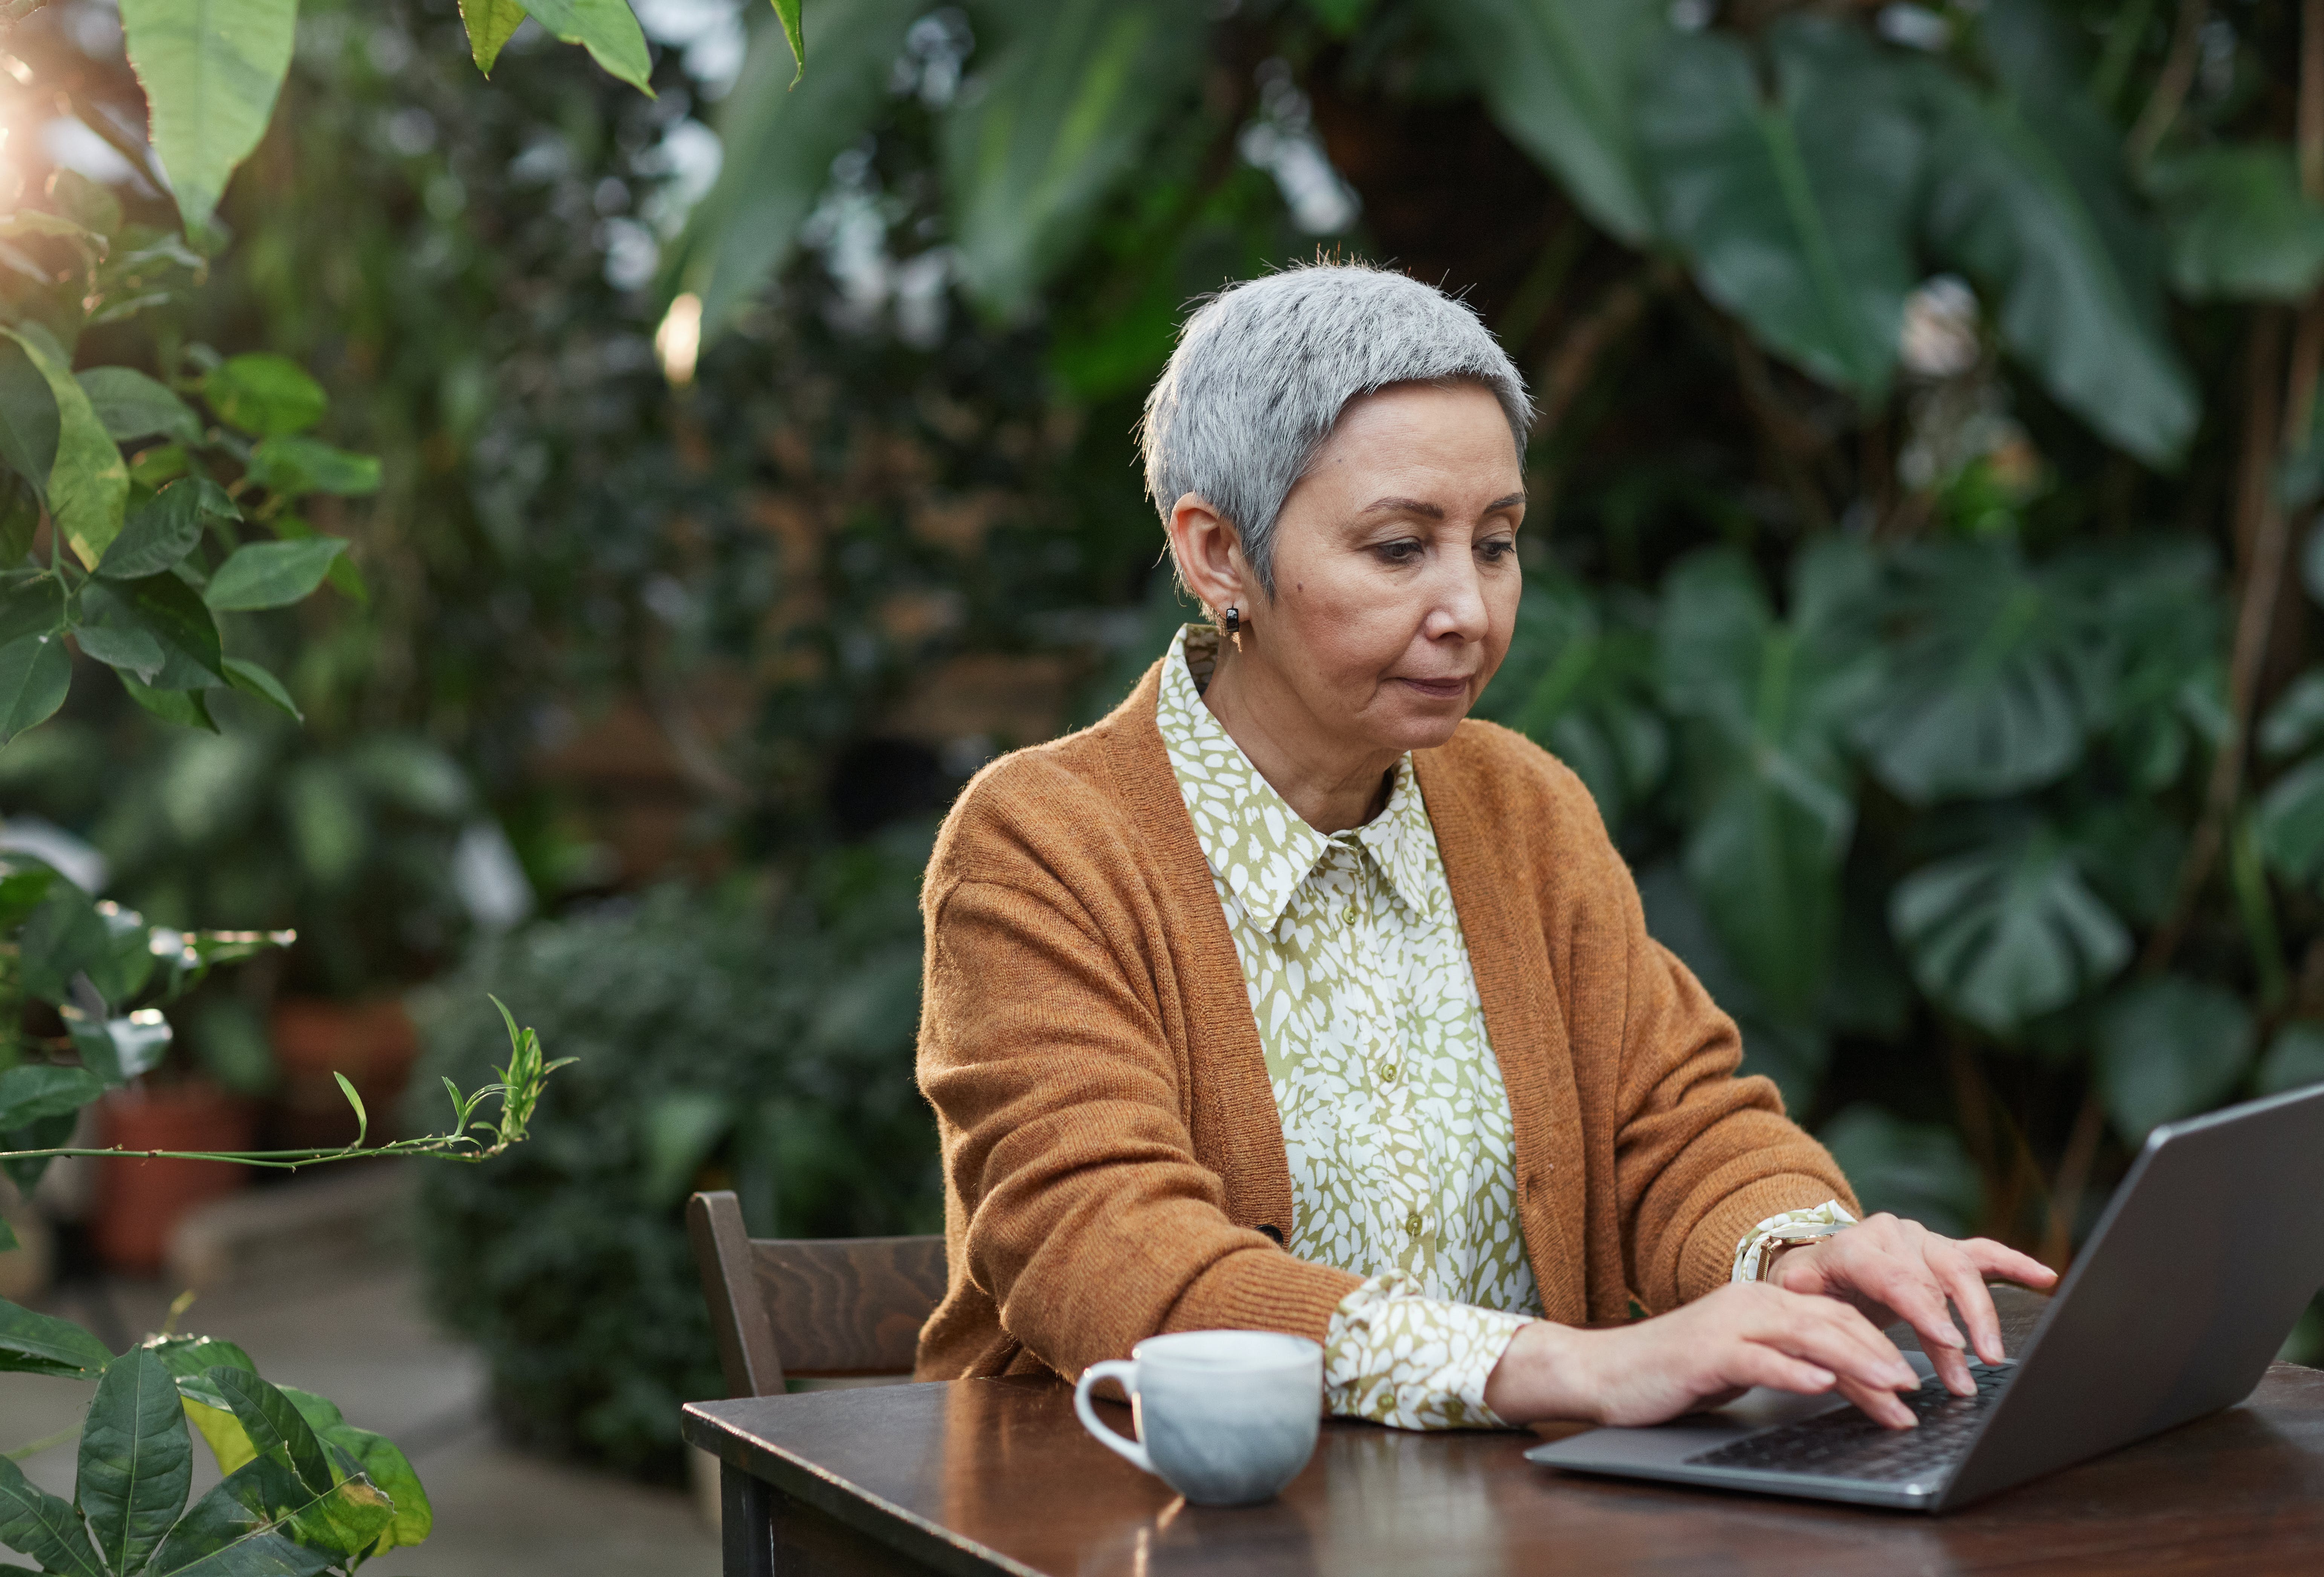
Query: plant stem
(2312, 100)
(2073, 1180)
(2169, 87)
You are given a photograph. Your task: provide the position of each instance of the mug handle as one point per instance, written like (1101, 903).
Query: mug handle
(1125, 1371)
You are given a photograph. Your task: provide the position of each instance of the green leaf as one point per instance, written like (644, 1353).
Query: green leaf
(1579, 681)
(2290, 823)
(88, 485)
(64, 937)
(173, 613)
(31, 602)
(1559, 78)
(2296, 1058)
(191, 1359)
(269, 395)
(1992, 684)
(778, 148)
(2028, 199)
(20, 516)
(132, 405)
(2296, 719)
(490, 25)
(607, 29)
(273, 1424)
(388, 1469)
(31, 1091)
(271, 575)
(1768, 702)
(36, 672)
(45, 1526)
(136, 1460)
(163, 530)
(186, 708)
(28, 417)
(121, 1048)
(2237, 224)
(126, 647)
(86, 203)
(247, 1526)
(2008, 932)
(363, 1118)
(1796, 211)
(211, 71)
(1062, 115)
(32, 1344)
(291, 466)
(1917, 1170)
(786, 12)
(252, 679)
(2169, 1047)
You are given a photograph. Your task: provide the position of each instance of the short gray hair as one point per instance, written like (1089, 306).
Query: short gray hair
(1264, 369)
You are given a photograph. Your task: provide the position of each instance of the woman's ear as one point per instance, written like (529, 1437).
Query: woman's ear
(1208, 555)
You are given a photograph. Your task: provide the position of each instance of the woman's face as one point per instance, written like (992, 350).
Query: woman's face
(1395, 567)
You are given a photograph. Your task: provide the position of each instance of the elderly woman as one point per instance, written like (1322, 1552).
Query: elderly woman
(1285, 999)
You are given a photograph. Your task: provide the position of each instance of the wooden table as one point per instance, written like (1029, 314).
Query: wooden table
(985, 1476)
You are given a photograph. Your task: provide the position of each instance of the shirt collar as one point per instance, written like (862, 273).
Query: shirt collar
(1260, 847)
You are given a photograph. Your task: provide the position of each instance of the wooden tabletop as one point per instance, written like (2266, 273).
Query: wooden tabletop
(981, 1476)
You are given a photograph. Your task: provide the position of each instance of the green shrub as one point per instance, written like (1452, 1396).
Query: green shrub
(718, 1047)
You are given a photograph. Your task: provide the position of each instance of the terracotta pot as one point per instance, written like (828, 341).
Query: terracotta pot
(140, 1201)
(373, 1043)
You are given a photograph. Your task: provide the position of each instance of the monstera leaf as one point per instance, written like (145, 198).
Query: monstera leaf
(1578, 679)
(1797, 209)
(1559, 77)
(1992, 683)
(2030, 202)
(1768, 702)
(2169, 1048)
(1917, 1170)
(2238, 226)
(2007, 932)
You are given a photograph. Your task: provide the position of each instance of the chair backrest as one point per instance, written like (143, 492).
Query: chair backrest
(784, 1307)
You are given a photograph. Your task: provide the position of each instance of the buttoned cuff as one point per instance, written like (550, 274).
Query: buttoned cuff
(1397, 1358)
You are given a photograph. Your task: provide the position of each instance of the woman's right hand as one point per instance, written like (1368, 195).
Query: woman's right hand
(1709, 1351)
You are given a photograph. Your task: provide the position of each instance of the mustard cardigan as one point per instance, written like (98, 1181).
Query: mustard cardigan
(1113, 1163)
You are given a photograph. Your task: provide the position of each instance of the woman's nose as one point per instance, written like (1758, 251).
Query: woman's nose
(1459, 607)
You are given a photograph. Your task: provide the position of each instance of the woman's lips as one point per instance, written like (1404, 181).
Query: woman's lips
(1439, 689)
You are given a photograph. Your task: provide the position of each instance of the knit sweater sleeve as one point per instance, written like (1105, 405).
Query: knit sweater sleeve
(1089, 1223)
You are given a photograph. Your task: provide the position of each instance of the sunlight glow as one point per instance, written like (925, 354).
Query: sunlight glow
(678, 341)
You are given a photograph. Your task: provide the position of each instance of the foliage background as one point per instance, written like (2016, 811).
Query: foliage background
(1917, 561)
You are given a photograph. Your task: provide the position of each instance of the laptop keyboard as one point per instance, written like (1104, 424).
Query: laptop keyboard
(1846, 1444)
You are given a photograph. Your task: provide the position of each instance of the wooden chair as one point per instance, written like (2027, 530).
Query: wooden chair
(787, 1308)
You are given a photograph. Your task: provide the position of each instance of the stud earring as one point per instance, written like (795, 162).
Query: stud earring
(1232, 622)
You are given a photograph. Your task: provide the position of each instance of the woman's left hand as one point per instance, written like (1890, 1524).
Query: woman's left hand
(1894, 1269)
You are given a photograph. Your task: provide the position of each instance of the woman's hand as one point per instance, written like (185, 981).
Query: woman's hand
(1892, 1269)
(1708, 1352)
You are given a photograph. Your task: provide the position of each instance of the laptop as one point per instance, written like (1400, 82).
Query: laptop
(2196, 1274)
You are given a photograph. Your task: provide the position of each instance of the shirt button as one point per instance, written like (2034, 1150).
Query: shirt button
(1412, 1223)
(1388, 1073)
(1349, 914)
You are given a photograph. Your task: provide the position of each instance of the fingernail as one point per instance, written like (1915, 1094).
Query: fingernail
(1951, 1337)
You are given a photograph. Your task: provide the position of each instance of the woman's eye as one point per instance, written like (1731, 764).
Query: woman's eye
(1403, 552)
(1498, 548)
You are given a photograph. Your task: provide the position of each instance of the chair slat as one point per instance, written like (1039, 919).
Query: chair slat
(849, 1305)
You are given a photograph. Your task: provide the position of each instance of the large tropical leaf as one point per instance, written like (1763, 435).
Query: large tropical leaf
(1797, 210)
(136, 1460)
(2007, 932)
(87, 483)
(1993, 677)
(2296, 1058)
(252, 1523)
(2028, 198)
(212, 69)
(1559, 77)
(1062, 115)
(32, 1344)
(1916, 1170)
(1793, 1051)
(2168, 1047)
(1768, 703)
(779, 143)
(44, 1526)
(1579, 680)
(2291, 821)
(2237, 225)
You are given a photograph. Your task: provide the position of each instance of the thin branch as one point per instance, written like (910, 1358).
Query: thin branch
(2074, 1181)
(2169, 87)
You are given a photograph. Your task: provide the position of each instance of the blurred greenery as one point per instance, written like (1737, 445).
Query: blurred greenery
(715, 1048)
(1922, 560)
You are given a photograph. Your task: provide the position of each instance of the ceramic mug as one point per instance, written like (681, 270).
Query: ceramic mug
(1224, 1417)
